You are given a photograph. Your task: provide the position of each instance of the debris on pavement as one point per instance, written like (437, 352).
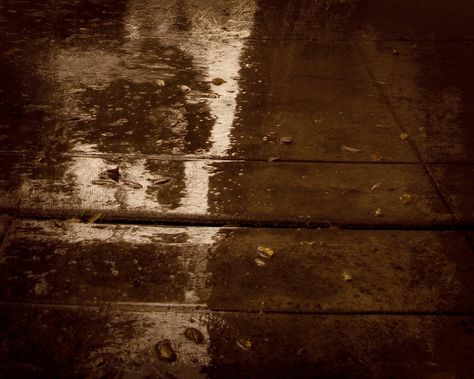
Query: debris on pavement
(159, 181)
(132, 184)
(194, 335)
(377, 157)
(160, 83)
(94, 218)
(274, 159)
(346, 276)
(112, 174)
(350, 149)
(404, 136)
(271, 137)
(286, 140)
(244, 344)
(265, 252)
(218, 81)
(406, 199)
(105, 182)
(165, 351)
(119, 122)
(375, 186)
(378, 212)
(184, 88)
(260, 262)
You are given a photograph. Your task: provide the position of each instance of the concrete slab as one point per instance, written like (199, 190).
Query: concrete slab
(121, 100)
(318, 271)
(242, 192)
(425, 84)
(94, 343)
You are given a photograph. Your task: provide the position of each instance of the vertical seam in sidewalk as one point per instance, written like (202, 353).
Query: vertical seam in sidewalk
(399, 123)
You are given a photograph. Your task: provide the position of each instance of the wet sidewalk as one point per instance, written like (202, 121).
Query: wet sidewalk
(236, 189)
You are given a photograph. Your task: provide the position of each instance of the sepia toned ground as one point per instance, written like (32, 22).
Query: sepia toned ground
(236, 189)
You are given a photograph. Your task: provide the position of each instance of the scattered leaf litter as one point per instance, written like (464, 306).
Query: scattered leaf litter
(346, 276)
(94, 218)
(194, 335)
(260, 262)
(112, 174)
(184, 88)
(218, 81)
(406, 198)
(377, 157)
(350, 149)
(375, 186)
(244, 344)
(265, 252)
(404, 136)
(165, 351)
(159, 181)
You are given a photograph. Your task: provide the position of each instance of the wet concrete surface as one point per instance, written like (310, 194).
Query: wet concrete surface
(275, 193)
(104, 343)
(285, 114)
(320, 271)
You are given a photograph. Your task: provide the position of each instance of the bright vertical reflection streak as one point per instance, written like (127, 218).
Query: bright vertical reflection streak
(217, 56)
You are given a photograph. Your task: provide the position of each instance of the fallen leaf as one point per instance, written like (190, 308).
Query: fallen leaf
(274, 159)
(377, 157)
(113, 174)
(286, 140)
(165, 351)
(378, 212)
(244, 344)
(212, 95)
(406, 198)
(194, 335)
(375, 186)
(346, 276)
(132, 184)
(403, 136)
(160, 83)
(260, 262)
(350, 149)
(218, 81)
(94, 218)
(184, 88)
(105, 182)
(159, 181)
(265, 252)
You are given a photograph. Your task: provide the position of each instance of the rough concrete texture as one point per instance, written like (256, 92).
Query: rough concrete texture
(236, 189)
